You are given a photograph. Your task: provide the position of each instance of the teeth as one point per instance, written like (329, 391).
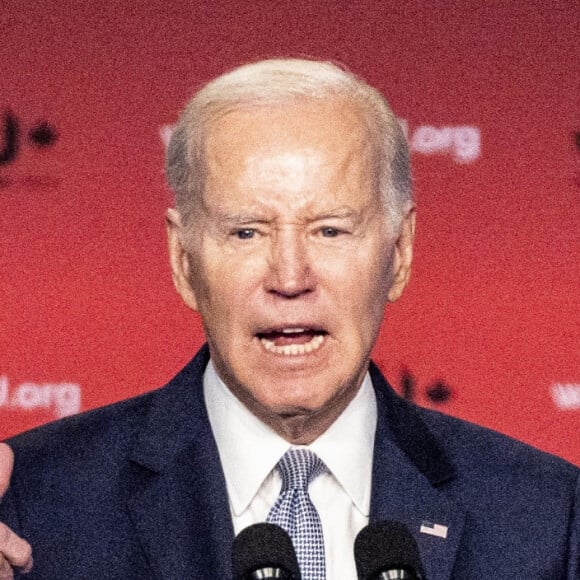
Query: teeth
(292, 330)
(293, 349)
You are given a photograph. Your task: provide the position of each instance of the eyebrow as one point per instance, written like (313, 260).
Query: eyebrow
(233, 218)
(240, 218)
(340, 213)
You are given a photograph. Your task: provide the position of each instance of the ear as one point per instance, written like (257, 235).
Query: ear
(179, 258)
(403, 256)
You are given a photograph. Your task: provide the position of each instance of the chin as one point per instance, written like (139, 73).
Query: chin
(291, 405)
(298, 402)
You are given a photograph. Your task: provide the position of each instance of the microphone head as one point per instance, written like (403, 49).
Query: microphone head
(264, 546)
(384, 546)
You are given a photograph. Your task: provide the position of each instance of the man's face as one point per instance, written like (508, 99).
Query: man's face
(290, 260)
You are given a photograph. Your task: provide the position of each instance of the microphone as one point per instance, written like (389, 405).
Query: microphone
(387, 551)
(264, 551)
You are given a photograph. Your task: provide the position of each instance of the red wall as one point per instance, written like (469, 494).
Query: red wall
(87, 311)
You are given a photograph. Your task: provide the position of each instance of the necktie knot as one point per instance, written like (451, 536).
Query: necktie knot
(298, 467)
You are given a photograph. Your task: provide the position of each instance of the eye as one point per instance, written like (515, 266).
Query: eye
(329, 232)
(245, 234)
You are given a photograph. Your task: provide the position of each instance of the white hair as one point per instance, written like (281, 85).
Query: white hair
(276, 81)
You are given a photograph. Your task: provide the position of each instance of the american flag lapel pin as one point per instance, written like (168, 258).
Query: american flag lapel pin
(432, 529)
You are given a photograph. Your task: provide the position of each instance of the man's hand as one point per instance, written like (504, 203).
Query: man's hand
(14, 551)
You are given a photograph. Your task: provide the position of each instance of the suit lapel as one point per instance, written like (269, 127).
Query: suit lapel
(410, 471)
(177, 495)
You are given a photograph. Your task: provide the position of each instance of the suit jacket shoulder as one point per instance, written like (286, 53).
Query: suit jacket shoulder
(505, 509)
(131, 490)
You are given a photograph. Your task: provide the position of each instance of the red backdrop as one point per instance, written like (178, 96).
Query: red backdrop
(488, 329)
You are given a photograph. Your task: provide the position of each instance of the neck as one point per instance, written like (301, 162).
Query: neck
(305, 426)
(300, 429)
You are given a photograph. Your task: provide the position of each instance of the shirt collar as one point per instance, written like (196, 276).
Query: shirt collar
(249, 450)
(346, 447)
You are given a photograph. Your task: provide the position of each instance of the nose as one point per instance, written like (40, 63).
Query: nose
(289, 269)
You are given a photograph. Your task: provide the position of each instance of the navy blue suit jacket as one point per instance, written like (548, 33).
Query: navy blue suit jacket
(136, 491)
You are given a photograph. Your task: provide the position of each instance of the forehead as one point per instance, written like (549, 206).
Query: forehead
(294, 147)
(297, 120)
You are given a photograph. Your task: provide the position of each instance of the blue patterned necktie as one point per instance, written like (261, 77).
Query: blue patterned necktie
(295, 512)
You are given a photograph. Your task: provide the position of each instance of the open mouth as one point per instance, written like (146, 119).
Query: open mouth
(292, 341)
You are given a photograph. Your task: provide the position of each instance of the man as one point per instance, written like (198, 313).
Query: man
(293, 229)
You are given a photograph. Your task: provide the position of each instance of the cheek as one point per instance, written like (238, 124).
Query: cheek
(364, 276)
(363, 291)
(222, 294)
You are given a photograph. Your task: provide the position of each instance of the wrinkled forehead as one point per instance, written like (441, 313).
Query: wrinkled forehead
(275, 133)
(292, 162)
(288, 139)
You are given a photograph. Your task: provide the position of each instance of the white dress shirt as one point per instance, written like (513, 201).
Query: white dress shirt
(249, 451)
